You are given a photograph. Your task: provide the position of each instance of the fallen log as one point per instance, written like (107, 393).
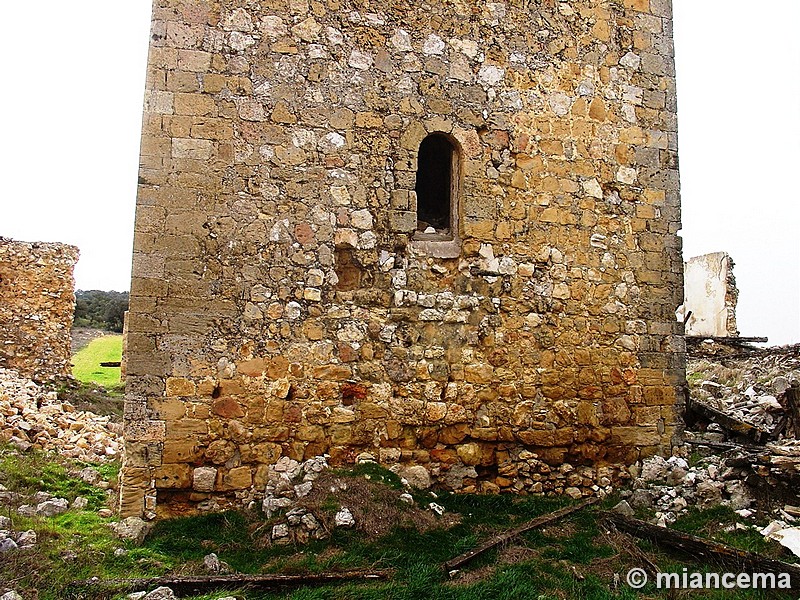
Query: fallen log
(709, 550)
(462, 559)
(211, 583)
(111, 363)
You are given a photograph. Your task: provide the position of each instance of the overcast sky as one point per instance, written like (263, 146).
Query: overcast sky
(74, 78)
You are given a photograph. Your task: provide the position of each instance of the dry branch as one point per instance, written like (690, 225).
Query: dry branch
(709, 550)
(462, 559)
(210, 583)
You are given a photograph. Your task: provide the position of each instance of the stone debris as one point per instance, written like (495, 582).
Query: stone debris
(788, 537)
(16, 540)
(46, 506)
(32, 417)
(751, 388)
(161, 593)
(344, 518)
(12, 595)
(670, 487)
(288, 480)
(51, 508)
(134, 529)
(437, 508)
(303, 520)
(215, 566)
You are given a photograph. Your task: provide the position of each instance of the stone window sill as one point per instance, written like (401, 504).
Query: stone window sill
(436, 245)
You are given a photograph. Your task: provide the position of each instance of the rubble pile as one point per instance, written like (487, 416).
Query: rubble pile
(33, 417)
(784, 459)
(289, 481)
(757, 388)
(749, 387)
(302, 493)
(670, 487)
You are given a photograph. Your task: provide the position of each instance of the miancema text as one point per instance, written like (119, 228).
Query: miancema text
(743, 581)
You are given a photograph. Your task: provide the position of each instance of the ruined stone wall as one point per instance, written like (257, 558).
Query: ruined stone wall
(37, 304)
(283, 302)
(710, 296)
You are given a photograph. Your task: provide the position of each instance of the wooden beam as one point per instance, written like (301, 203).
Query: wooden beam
(710, 551)
(210, 583)
(727, 422)
(462, 559)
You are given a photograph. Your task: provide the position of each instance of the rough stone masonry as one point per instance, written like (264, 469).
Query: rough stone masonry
(440, 232)
(37, 304)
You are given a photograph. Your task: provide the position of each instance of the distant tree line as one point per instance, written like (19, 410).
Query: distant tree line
(102, 310)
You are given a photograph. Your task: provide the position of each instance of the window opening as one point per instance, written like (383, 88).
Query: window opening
(436, 168)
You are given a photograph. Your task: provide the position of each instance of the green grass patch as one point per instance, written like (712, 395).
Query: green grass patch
(41, 471)
(86, 363)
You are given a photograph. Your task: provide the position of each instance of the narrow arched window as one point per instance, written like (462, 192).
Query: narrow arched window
(437, 178)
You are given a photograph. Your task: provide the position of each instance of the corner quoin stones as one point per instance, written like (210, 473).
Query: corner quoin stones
(283, 303)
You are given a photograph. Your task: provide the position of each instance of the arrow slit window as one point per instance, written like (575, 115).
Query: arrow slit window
(437, 187)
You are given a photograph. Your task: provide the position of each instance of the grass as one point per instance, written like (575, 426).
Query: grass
(86, 363)
(571, 559)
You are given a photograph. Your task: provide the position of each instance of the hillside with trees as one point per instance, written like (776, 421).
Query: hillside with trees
(100, 310)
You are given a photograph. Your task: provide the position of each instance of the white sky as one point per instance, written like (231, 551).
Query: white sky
(74, 79)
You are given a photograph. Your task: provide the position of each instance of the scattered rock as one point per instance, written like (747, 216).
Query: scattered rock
(344, 518)
(365, 457)
(280, 533)
(90, 475)
(51, 508)
(134, 529)
(26, 539)
(417, 477)
(162, 593)
(624, 509)
(215, 566)
(437, 508)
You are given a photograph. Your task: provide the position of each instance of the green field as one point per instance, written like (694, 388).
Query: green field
(86, 363)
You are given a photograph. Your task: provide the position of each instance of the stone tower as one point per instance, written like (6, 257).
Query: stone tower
(440, 232)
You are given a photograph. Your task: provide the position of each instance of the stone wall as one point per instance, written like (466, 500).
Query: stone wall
(37, 304)
(286, 302)
(711, 296)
